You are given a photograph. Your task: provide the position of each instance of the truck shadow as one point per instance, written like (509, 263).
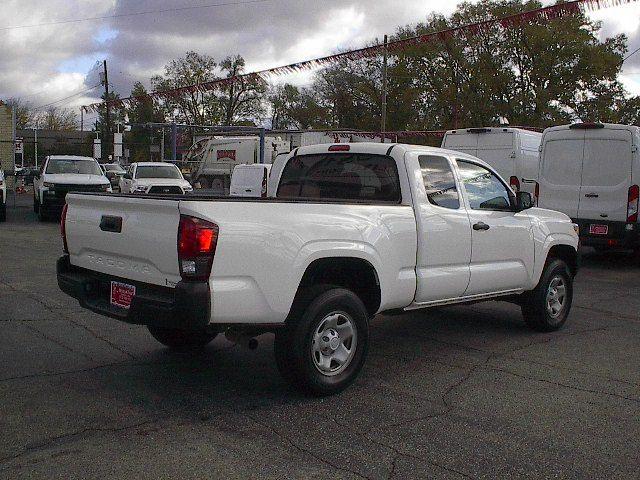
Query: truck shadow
(231, 379)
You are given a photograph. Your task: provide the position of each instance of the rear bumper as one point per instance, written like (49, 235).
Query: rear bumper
(618, 236)
(187, 306)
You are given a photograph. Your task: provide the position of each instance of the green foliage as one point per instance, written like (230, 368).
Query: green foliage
(534, 74)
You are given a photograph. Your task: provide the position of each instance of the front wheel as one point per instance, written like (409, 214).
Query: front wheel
(181, 339)
(324, 345)
(547, 307)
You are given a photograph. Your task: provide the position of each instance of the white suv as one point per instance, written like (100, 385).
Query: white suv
(62, 174)
(154, 177)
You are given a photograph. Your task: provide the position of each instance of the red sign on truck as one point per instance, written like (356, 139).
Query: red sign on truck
(230, 154)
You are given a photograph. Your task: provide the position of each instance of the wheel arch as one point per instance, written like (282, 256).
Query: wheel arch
(353, 273)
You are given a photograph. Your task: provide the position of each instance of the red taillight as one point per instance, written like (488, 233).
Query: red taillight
(514, 183)
(342, 147)
(63, 228)
(197, 240)
(632, 203)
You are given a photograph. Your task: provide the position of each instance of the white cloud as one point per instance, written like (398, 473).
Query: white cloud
(50, 59)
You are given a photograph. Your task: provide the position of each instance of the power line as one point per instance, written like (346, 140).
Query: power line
(121, 15)
(630, 55)
(66, 98)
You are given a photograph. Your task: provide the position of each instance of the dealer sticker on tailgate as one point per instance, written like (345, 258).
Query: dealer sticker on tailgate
(598, 229)
(122, 294)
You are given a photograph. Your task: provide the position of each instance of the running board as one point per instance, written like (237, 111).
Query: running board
(468, 298)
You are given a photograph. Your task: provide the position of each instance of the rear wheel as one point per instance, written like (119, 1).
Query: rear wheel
(181, 339)
(324, 345)
(547, 307)
(36, 205)
(204, 182)
(3, 212)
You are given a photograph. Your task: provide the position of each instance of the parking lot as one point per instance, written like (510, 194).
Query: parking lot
(464, 391)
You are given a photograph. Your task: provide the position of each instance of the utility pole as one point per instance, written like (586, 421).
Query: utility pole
(105, 151)
(35, 143)
(383, 126)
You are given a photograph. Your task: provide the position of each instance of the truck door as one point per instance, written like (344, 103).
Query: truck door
(560, 171)
(606, 175)
(501, 239)
(444, 232)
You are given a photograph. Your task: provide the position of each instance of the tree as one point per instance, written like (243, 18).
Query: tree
(534, 74)
(142, 109)
(241, 100)
(292, 107)
(196, 106)
(24, 112)
(56, 118)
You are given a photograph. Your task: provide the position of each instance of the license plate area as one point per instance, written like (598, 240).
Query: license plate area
(122, 294)
(595, 229)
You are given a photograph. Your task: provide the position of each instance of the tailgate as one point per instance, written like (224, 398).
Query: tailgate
(131, 238)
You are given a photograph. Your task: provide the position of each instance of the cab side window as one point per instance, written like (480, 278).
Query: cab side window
(484, 189)
(439, 181)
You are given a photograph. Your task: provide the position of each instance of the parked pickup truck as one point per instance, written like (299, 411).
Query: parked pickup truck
(354, 230)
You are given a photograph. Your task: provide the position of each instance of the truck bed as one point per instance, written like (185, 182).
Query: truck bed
(263, 249)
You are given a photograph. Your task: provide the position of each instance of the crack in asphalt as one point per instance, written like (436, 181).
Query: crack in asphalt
(60, 344)
(60, 311)
(564, 385)
(448, 406)
(300, 448)
(397, 452)
(52, 441)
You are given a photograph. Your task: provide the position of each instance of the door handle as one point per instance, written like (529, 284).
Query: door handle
(591, 195)
(480, 226)
(248, 190)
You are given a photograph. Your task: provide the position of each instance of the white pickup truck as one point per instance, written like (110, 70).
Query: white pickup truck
(354, 230)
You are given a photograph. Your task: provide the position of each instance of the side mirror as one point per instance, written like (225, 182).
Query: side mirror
(127, 176)
(523, 201)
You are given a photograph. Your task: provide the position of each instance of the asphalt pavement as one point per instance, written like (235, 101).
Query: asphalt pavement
(457, 392)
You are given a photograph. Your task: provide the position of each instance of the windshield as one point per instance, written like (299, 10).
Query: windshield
(162, 171)
(113, 167)
(66, 165)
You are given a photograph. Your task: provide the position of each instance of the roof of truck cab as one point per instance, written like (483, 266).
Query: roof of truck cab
(377, 148)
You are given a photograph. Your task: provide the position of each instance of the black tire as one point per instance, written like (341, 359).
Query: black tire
(294, 344)
(36, 205)
(181, 339)
(537, 313)
(3, 212)
(204, 182)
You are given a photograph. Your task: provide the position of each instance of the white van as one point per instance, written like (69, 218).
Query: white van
(513, 152)
(591, 172)
(250, 180)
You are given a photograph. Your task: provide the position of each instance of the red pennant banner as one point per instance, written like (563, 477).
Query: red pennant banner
(549, 13)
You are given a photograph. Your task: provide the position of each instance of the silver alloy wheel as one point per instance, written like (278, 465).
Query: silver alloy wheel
(334, 343)
(556, 296)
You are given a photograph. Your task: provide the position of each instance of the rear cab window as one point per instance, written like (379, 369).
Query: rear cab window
(439, 182)
(341, 177)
